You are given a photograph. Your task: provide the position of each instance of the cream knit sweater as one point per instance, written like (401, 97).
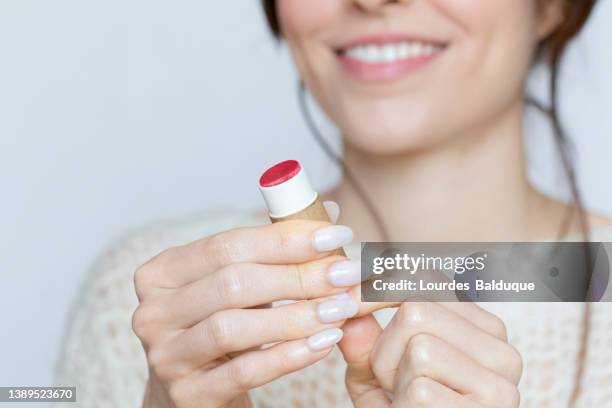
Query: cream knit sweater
(103, 358)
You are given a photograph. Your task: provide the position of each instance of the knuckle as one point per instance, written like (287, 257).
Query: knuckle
(154, 358)
(414, 313)
(419, 351)
(299, 318)
(230, 285)
(150, 273)
(145, 317)
(157, 362)
(143, 277)
(222, 248)
(242, 374)
(420, 392)
(498, 328)
(508, 363)
(178, 394)
(288, 236)
(285, 240)
(380, 364)
(220, 332)
(514, 363)
(282, 363)
(299, 273)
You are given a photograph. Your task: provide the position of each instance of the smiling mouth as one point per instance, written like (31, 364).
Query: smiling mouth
(389, 53)
(381, 60)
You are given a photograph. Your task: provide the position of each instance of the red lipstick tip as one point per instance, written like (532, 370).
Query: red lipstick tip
(280, 173)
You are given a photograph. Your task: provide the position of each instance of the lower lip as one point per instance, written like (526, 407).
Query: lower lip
(386, 71)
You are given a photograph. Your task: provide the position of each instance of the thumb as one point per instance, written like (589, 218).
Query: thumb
(333, 210)
(360, 335)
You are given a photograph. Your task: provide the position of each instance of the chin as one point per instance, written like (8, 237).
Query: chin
(386, 143)
(385, 136)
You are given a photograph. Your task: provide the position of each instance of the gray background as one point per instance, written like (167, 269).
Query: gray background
(115, 114)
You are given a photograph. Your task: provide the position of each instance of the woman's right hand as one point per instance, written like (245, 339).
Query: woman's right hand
(200, 319)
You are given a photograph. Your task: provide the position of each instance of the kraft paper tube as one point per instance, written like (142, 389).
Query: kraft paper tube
(289, 195)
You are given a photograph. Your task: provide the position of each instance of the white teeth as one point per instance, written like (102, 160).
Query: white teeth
(372, 53)
(378, 54)
(404, 50)
(418, 49)
(389, 53)
(355, 53)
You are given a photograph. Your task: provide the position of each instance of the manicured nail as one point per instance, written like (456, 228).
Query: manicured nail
(337, 309)
(324, 339)
(330, 238)
(344, 273)
(333, 210)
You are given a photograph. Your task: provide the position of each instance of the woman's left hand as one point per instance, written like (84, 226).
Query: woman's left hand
(431, 355)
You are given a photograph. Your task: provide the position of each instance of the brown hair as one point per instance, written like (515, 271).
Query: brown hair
(551, 51)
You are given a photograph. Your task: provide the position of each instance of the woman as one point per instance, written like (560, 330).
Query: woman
(429, 96)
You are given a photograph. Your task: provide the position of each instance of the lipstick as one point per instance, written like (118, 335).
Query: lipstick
(289, 195)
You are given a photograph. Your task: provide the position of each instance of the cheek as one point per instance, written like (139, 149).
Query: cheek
(493, 56)
(476, 16)
(299, 18)
(498, 36)
(305, 25)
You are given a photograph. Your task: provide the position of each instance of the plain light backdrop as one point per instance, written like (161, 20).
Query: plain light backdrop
(118, 113)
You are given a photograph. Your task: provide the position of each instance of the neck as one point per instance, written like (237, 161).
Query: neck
(474, 188)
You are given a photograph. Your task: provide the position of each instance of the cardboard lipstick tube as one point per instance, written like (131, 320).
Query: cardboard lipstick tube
(289, 195)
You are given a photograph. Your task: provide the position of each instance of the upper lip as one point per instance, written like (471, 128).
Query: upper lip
(389, 38)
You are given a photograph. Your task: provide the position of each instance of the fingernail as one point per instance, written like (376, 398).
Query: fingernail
(324, 339)
(333, 210)
(344, 273)
(337, 309)
(330, 238)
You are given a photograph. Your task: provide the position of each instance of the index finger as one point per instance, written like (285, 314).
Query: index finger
(286, 242)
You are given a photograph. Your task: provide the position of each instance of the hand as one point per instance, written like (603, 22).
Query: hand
(201, 322)
(431, 355)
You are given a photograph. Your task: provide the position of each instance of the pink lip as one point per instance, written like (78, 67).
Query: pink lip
(386, 71)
